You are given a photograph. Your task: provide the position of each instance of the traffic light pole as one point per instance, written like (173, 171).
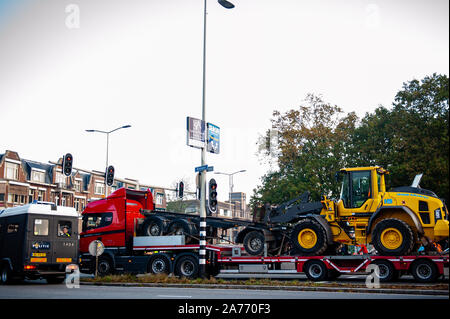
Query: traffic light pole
(202, 250)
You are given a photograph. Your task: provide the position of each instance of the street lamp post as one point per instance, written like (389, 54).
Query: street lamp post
(202, 250)
(107, 148)
(230, 179)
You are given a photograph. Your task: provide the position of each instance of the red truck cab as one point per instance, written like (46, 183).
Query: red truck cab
(112, 219)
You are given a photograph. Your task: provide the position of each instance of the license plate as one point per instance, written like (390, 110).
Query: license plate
(38, 254)
(63, 260)
(38, 260)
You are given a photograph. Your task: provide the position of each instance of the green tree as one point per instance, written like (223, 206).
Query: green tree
(421, 142)
(312, 143)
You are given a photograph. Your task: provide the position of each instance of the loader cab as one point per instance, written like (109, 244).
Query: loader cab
(359, 187)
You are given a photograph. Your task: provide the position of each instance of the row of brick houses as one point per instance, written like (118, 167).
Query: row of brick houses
(22, 181)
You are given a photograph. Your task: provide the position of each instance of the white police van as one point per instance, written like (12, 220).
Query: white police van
(37, 240)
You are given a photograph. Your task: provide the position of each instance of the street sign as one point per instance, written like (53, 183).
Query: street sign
(213, 139)
(195, 132)
(201, 168)
(96, 248)
(204, 168)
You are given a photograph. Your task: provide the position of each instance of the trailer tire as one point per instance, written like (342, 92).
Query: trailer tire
(187, 266)
(315, 270)
(309, 238)
(424, 270)
(153, 226)
(159, 264)
(254, 243)
(393, 237)
(387, 271)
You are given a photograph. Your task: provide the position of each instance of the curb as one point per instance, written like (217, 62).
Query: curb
(291, 288)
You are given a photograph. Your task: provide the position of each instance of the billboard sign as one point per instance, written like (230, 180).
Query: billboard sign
(213, 139)
(195, 132)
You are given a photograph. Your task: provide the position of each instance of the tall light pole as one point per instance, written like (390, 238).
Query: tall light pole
(230, 180)
(202, 250)
(107, 148)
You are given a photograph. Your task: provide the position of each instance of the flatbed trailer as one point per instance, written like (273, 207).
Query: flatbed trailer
(182, 260)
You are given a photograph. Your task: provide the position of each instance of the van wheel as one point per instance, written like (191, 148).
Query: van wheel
(159, 264)
(5, 275)
(187, 266)
(424, 270)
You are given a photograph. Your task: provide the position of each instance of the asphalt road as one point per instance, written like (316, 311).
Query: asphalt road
(41, 290)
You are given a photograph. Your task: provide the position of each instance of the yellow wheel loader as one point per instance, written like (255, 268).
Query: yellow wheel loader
(397, 222)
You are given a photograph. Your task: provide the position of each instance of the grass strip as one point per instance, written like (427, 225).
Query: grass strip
(168, 279)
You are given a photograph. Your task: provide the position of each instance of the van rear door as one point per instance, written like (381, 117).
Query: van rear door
(39, 243)
(65, 247)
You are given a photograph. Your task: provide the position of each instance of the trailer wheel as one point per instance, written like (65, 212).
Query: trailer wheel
(159, 264)
(393, 236)
(424, 270)
(254, 243)
(386, 271)
(309, 238)
(316, 270)
(187, 266)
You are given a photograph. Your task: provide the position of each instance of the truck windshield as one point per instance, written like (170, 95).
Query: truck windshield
(97, 220)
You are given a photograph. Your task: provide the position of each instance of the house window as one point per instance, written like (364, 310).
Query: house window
(159, 198)
(77, 185)
(12, 170)
(31, 195)
(16, 199)
(60, 179)
(37, 176)
(79, 204)
(41, 195)
(99, 188)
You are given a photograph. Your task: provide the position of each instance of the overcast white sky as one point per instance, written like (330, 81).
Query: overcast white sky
(140, 63)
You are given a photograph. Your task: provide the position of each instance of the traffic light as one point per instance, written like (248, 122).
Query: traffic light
(212, 195)
(180, 189)
(67, 164)
(110, 175)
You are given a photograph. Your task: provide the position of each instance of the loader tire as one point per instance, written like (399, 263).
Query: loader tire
(309, 238)
(393, 237)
